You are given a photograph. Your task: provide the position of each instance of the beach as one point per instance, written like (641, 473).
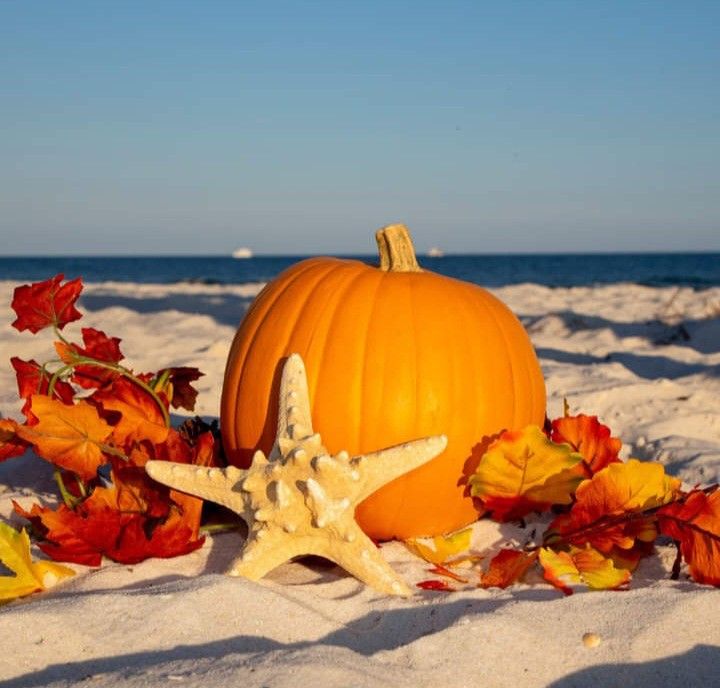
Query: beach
(646, 360)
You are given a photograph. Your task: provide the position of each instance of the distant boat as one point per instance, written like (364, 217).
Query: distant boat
(242, 252)
(435, 252)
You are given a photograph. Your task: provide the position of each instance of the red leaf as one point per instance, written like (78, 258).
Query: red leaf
(99, 347)
(44, 304)
(590, 438)
(440, 570)
(182, 393)
(508, 566)
(694, 521)
(32, 379)
(438, 585)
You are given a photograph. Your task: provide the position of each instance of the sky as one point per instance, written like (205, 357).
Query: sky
(301, 127)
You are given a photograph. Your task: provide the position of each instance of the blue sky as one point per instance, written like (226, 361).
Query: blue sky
(301, 127)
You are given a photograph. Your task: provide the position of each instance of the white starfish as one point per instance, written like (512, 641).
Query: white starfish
(301, 500)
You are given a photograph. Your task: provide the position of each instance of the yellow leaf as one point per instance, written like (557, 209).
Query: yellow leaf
(576, 566)
(523, 471)
(444, 546)
(29, 576)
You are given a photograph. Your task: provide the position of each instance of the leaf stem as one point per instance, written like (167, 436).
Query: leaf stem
(70, 501)
(212, 528)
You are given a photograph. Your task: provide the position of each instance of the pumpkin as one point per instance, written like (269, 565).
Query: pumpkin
(392, 353)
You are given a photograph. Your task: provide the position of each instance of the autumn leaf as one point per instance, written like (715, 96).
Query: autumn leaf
(609, 510)
(140, 417)
(444, 546)
(46, 304)
(10, 444)
(694, 522)
(33, 379)
(71, 437)
(508, 566)
(590, 438)
(29, 576)
(176, 383)
(581, 565)
(523, 471)
(98, 347)
(437, 585)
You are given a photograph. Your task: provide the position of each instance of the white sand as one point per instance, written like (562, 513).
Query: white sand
(618, 351)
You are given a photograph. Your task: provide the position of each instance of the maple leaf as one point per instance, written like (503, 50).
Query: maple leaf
(581, 565)
(609, 507)
(46, 304)
(10, 444)
(444, 546)
(59, 528)
(140, 417)
(176, 384)
(590, 438)
(29, 576)
(71, 437)
(33, 379)
(523, 471)
(508, 566)
(694, 522)
(98, 347)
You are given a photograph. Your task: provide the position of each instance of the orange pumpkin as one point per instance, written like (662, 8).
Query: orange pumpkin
(393, 353)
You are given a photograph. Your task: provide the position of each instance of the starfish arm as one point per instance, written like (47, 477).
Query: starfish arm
(382, 466)
(260, 555)
(294, 418)
(361, 558)
(215, 484)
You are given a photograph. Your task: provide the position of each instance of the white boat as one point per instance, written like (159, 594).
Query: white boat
(242, 252)
(435, 252)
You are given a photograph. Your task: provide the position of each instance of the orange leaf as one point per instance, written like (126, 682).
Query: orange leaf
(10, 444)
(523, 471)
(589, 437)
(587, 565)
(609, 508)
(694, 522)
(71, 437)
(140, 417)
(508, 566)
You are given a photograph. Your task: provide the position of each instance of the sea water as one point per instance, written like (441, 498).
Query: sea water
(698, 270)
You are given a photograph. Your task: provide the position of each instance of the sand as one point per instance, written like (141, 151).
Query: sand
(646, 360)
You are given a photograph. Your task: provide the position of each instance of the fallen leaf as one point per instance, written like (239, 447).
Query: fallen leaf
(694, 522)
(508, 566)
(444, 546)
(29, 576)
(609, 507)
(590, 438)
(523, 471)
(44, 304)
(576, 566)
(438, 585)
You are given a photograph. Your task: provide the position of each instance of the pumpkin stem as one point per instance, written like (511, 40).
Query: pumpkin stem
(395, 246)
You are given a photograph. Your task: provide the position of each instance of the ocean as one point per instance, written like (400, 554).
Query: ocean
(698, 270)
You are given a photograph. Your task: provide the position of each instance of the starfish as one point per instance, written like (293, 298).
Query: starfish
(301, 500)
